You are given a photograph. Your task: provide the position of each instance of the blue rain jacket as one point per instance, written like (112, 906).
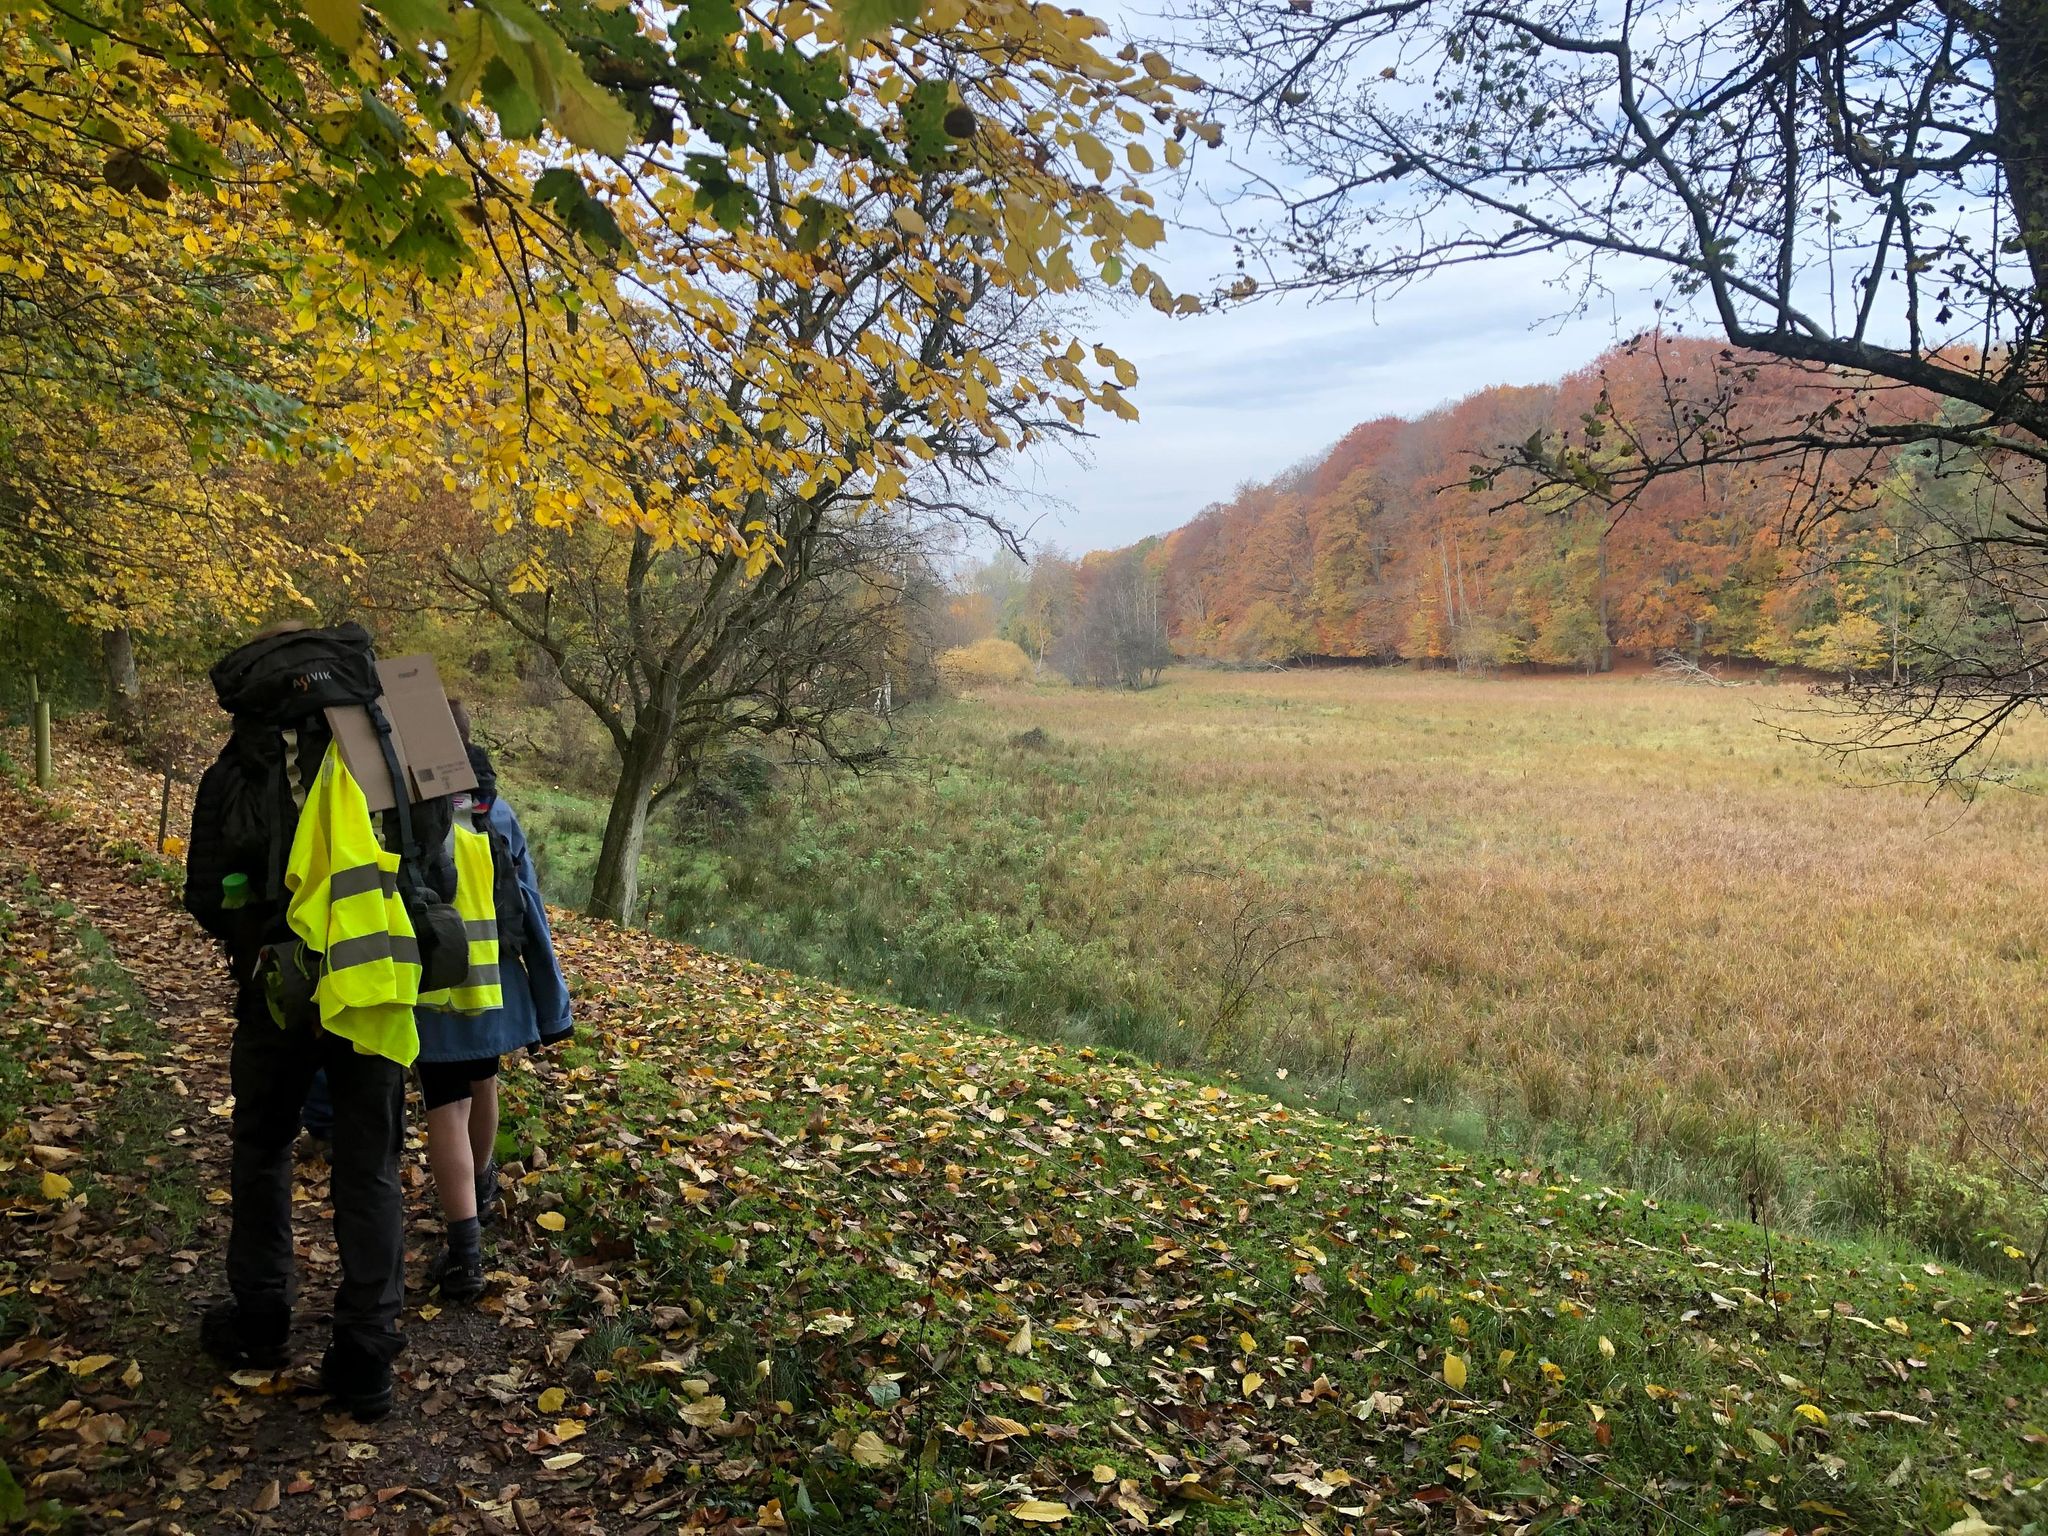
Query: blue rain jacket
(536, 994)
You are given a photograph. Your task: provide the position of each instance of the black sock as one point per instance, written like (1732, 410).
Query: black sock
(465, 1237)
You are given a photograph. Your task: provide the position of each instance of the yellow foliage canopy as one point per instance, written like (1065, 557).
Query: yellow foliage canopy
(630, 336)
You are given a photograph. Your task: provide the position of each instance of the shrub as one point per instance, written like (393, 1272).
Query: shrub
(984, 662)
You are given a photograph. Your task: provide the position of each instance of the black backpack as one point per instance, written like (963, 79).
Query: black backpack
(285, 683)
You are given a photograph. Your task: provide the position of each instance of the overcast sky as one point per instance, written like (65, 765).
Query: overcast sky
(1240, 396)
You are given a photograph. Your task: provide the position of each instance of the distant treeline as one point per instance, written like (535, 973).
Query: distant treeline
(1404, 542)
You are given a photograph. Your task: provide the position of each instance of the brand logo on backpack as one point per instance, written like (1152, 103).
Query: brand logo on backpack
(305, 681)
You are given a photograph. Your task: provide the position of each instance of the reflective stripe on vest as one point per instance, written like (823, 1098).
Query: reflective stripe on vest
(345, 906)
(479, 991)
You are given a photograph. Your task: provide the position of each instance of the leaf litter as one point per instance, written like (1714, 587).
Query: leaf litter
(777, 1257)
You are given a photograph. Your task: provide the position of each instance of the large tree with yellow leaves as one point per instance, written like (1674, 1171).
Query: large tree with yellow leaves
(766, 404)
(723, 285)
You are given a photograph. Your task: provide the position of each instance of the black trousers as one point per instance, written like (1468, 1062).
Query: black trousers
(270, 1069)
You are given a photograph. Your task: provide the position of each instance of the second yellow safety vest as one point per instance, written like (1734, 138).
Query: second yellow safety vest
(479, 991)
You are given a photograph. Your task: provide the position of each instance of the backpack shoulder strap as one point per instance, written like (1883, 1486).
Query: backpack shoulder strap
(401, 793)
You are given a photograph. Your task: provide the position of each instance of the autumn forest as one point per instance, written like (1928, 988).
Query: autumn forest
(1418, 540)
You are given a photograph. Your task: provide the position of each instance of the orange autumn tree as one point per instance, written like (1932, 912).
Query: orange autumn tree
(1386, 548)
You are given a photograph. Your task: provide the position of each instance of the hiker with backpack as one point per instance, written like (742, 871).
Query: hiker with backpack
(332, 929)
(460, 1051)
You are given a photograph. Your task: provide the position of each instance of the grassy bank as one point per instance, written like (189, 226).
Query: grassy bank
(893, 1272)
(1620, 922)
(824, 1264)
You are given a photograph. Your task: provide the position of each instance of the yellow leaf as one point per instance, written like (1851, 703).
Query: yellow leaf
(565, 1459)
(1811, 1414)
(554, 1221)
(55, 1186)
(1091, 154)
(341, 21)
(705, 1412)
(1020, 1341)
(910, 220)
(1040, 1511)
(1454, 1372)
(1252, 1382)
(568, 1429)
(1606, 1346)
(870, 1450)
(1104, 1472)
(589, 116)
(90, 1365)
(551, 1400)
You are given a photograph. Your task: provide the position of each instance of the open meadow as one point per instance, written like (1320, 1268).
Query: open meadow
(1617, 920)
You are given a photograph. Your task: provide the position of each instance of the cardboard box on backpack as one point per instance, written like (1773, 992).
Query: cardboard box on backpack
(423, 734)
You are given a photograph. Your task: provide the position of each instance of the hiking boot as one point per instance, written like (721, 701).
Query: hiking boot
(487, 1193)
(247, 1338)
(460, 1275)
(358, 1382)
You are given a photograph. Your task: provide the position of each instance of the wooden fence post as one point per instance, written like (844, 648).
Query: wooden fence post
(44, 772)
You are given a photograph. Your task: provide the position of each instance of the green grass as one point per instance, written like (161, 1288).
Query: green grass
(827, 1223)
(865, 1269)
(78, 1037)
(1618, 925)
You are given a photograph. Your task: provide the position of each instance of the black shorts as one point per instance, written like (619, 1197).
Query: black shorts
(447, 1082)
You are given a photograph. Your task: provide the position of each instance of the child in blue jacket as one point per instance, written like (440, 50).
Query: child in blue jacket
(459, 1054)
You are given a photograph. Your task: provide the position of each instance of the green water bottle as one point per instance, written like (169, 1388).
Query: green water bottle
(234, 892)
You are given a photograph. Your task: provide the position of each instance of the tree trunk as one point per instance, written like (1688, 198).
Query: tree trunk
(2020, 88)
(123, 684)
(615, 888)
(1606, 634)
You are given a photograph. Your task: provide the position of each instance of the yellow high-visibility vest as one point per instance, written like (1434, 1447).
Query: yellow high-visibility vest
(345, 906)
(479, 991)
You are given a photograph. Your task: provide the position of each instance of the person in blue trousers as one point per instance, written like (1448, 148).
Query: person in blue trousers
(317, 1115)
(460, 1053)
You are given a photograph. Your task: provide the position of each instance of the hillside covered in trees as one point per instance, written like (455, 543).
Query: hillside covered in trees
(1418, 540)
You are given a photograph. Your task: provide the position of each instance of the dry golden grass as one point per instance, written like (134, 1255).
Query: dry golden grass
(1614, 898)
(984, 662)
